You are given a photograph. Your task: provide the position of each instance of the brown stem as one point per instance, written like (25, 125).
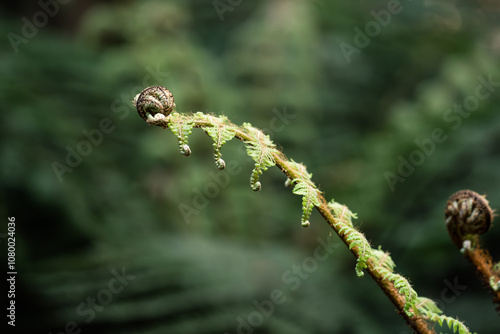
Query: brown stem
(483, 264)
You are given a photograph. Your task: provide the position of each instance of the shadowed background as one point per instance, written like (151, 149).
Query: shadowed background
(116, 232)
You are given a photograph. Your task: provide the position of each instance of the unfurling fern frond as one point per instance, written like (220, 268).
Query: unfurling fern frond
(155, 105)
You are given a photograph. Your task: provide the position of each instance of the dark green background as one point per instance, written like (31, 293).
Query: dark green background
(350, 122)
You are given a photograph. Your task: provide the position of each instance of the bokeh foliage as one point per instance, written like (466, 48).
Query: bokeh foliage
(347, 121)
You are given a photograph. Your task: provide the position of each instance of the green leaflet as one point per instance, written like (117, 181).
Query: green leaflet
(181, 127)
(432, 311)
(342, 212)
(357, 239)
(427, 305)
(261, 149)
(305, 187)
(452, 324)
(404, 287)
(221, 132)
(383, 260)
(344, 216)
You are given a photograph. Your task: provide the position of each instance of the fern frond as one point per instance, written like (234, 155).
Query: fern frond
(263, 151)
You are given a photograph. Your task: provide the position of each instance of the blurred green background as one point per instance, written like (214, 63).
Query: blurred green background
(347, 87)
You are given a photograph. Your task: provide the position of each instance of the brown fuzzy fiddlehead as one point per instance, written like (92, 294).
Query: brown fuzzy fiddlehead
(156, 102)
(467, 215)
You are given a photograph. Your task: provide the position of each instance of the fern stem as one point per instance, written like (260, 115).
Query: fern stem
(396, 288)
(485, 268)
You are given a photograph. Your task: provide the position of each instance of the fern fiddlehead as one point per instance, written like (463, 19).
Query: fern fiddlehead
(468, 215)
(154, 101)
(417, 311)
